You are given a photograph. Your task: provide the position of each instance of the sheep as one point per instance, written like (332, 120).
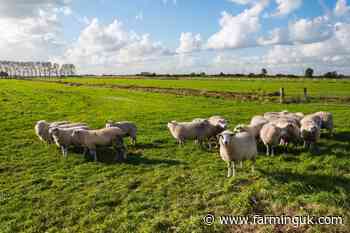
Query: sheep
(213, 126)
(129, 129)
(42, 131)
(237, 148)
(182, 131)
(326, 121)
(258, 122)
(291, 130)
(274, 116)
(71, 125)
(58, 123)
(252, 129)
(63, 137)
(270, 135)
(90, 139)
(310, 130)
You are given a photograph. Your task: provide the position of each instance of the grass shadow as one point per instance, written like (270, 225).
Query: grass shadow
(342, 136)
(137, 159)
(311, 183)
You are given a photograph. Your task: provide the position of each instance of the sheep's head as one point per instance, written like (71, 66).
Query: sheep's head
(42, 124)
(171, 124)
(226, 137)
(218, 121)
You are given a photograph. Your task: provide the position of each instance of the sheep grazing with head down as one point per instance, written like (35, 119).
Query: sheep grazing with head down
(271, 135)
(42, 131)
(310, 130)
(128, 127)
(63, 137)
(183, 131)
(237, 147)
(90, 139)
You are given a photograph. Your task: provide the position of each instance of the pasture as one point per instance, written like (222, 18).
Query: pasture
(162, 187)
(294, 87)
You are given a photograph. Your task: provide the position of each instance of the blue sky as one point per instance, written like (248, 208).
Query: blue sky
(130, 36)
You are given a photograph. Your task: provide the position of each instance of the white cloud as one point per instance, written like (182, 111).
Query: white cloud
(310, 31)
(26, 8)
(30, 38)
(341, 8)
(285, 7)
(189, 43)
(110, 45)
(241, 2)
(276, 36)
(238, 31)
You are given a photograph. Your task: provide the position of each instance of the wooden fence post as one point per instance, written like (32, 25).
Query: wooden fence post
(282, 94)
(306, 98)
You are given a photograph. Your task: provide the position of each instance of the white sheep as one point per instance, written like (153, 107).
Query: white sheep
(291, 130)
(310, 130)
(326, 121)
(63, 137)
(90, 139)
(71, 125)
(237, 148)
(182, 131)
(254, 130)
(257, 122)
(271, 136)
(128, 127)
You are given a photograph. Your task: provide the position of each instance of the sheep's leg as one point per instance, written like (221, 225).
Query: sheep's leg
(133, 141)
(331, 134)
(267, 150)
(64, 151)
(272, 151)
(241, 164)
(253, 166)
(233, 168)
(94, 154)
(229, 170)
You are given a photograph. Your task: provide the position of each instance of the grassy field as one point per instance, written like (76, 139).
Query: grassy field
(293, 87)
(161, 187)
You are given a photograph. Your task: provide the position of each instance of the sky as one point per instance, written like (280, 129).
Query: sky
(179, 36)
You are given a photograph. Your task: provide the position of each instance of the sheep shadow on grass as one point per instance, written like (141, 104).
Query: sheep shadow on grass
(342, 136)
(105, 155)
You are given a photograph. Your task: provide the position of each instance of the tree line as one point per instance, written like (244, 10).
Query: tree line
(35, 69)
(309, 73)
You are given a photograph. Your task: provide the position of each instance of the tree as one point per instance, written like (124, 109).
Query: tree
(263, 72)
(309, 72)
(332, 74)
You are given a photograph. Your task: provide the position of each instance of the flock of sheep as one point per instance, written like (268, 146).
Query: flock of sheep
(272, 129)
(66, 134)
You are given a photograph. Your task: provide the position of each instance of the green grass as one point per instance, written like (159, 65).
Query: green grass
(161, 187)
(293, 87)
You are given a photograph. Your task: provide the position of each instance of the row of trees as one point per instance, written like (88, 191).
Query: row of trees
(35, 69)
